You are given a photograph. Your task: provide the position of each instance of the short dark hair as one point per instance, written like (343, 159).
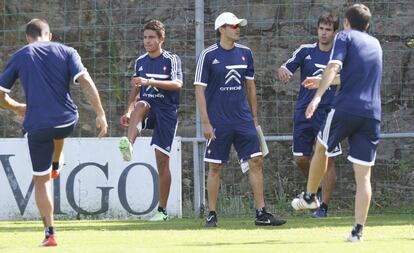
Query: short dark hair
(329, 19)
(37, 27)
(218, 33)
(156, 26)
(358, 16)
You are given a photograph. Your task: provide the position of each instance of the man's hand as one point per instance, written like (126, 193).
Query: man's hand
(313, 105)
(312, 82)
(9, 103)
(21, 110)
(101, 124)
(91, 93)
(124, 120)
(284, 75)
(209, 131)
(139, 81)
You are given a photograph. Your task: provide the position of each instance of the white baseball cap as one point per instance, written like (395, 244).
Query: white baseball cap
(228, 18)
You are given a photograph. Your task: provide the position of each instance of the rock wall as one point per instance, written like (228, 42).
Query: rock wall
(107, 35)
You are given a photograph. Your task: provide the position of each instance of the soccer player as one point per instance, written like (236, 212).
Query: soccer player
(45, 70)
(223, 78)
(312, 60)
(153, 104)
(356, 112)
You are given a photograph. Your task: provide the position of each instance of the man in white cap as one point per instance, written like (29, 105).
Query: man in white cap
(223, 78)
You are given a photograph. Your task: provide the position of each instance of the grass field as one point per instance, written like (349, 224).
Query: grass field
(387, 233)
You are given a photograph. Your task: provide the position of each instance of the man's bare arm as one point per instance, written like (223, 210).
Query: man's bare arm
(92, 95)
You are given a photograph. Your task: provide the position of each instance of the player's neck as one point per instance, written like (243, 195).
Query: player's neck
(37, 39)
(226, 44)
(155, 54)
(325, 47)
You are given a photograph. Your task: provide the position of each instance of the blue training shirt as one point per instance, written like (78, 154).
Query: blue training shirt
(223, 73)
(360, 56)
(312, 61)
(167, 66)
(45, 70)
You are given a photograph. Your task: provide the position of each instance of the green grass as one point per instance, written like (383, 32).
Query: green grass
(387, 233)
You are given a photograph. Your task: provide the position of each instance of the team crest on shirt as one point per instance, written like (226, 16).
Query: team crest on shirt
(164, 68)
(140, 68)
(243, 59)
(342, 36)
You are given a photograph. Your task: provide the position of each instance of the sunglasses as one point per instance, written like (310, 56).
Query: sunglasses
(234, 27)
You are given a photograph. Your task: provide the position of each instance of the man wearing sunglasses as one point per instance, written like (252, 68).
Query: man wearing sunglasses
(223, 78)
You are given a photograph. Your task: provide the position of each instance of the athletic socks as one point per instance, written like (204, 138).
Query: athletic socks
(162, 209)
(357, 230)
(324, 206)
(319, 191)
(260, 211)
(55, 165)
(49, 231)
(309, 197)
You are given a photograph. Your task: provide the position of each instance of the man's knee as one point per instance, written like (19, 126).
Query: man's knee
(141, 105)
(319, 148)
(39, 180)
(331, 164)
(141, 109)
(214, 169)
(362, 173)
(302, 161)
(256, 164)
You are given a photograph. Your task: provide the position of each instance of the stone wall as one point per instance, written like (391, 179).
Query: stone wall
(107, 35)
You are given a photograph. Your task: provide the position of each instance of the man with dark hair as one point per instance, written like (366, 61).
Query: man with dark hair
(356, 112)
(37, 28)
(312, 60)
(45, 70)
(223, 77)
(153, 104)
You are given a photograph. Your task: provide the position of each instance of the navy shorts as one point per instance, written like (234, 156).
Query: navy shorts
(362, 133)
(164, 123)
(41, 147)
(242, 135)
(305, 131)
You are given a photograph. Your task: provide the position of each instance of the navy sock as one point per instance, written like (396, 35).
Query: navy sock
(324, 206)
(357, 229)
(309, 197)
(49, 231)
(162, 209)
(260, 211)
(319, 190)
(55, 165)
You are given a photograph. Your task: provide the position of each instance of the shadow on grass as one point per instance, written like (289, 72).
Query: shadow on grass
(197, 224)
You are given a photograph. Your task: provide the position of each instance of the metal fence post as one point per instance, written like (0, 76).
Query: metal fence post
(198, 147)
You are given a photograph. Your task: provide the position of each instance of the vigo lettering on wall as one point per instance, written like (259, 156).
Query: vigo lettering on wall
(101, 185)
